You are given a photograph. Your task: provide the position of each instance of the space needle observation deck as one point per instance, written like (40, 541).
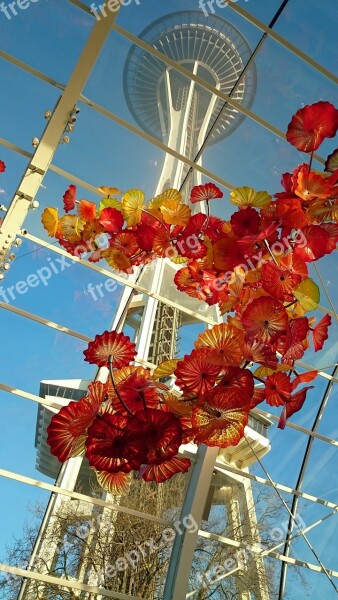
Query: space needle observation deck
(176, 109)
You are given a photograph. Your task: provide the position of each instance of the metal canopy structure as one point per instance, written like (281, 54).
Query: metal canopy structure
(97, 75)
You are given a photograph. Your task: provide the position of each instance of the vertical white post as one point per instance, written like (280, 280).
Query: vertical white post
(182, 555)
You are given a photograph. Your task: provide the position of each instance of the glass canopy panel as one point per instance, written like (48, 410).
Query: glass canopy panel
(62, 357)
(285, 83)
(251, 156)
(322, 538)
(258, 9)
(62, 37)
(311, 518)
(18, 452)
(328, 422)
(327, 274)
(320, 478)
(243, 510)
(283, 463)
(113, 157)
(315, 37)
(325, 542)
(302, 583)
(25, 498)
(144, 85)
(58, 289)
(221, 570)
(135, 563)
(55, 363)
(136, 17)
(29, 120)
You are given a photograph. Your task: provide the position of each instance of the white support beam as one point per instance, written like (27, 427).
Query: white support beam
(35, 172)
(256, 550)
(127, 281)
(225, 468)
(70, 584)
(182, 555)
(85, 498)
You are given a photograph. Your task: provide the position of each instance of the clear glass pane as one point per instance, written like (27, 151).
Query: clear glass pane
(29, 117)
(288, 93)
(303, 581)
(60, 290)
(56, 362)
(26, 499)
(284, 461)
(315, 37)
(60, 29)
(319, 479)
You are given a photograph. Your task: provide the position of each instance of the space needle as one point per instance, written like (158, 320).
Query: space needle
(176, 109)
(181, 111)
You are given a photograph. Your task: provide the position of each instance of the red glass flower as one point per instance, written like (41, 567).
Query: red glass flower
(320, 334)
(265, 318)
(196, 373)
(220, 417)
(208, 191)
(311, 125)
(160, 433)
(110, 343)
(112, 447)
(67, 431)
(69, 198)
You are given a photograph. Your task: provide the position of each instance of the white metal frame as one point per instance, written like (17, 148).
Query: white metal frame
(38, 166)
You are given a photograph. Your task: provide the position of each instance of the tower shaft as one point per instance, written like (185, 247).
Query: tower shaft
(182, 114)
(189, 114)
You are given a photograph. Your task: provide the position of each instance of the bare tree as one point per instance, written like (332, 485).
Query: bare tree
(120, 552)
(257, 522)
(101, 547)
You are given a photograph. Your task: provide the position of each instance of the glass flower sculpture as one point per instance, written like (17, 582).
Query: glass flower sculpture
(254, 267)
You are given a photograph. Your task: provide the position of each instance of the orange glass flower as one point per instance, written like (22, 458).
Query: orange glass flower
(265, 318)
(67, 431)
(110, 344)
(220, 417)
(279, 282)
(226, 343)
(196, 373)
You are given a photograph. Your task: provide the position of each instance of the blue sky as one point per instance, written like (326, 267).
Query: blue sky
(49, 36)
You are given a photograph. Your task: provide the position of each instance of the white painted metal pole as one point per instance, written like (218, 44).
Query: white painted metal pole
(182, 555)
